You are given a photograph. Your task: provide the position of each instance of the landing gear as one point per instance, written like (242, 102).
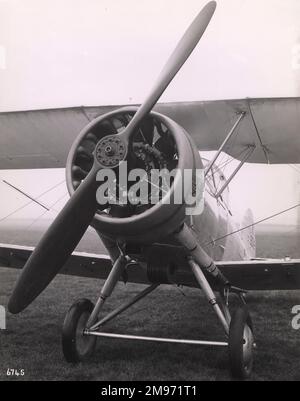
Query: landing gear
(77, 346)
(241, 344)
(238, 328)
(82, 324)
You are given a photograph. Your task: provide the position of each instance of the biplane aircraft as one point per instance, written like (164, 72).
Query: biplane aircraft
(156, 243)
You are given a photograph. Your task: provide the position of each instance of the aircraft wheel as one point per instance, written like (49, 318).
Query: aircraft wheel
(241, 344)
(77, 346)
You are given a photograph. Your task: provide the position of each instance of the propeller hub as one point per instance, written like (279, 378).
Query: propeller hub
(110, 151)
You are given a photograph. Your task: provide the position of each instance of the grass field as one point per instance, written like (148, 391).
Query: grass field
(32, 339)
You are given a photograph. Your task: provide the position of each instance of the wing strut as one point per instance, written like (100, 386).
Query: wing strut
(248, 153)
(236, 170)
(264, 148)
(227, 139)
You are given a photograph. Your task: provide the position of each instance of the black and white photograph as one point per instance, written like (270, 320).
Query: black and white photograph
(149, 193)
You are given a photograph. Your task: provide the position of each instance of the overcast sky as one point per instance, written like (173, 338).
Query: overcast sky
(94, 52)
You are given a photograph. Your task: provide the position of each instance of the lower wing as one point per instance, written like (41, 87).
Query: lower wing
(259, 274)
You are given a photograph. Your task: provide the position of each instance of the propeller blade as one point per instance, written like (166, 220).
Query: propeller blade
(56, 245)
(181, 53)
(69, 226)
(147, 130)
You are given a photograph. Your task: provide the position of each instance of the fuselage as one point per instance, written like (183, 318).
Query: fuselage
(215, 226)
(213, 229)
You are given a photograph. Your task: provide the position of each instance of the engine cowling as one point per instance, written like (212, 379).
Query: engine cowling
(160, 143)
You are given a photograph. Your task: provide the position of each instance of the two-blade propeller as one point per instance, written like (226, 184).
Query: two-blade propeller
(65, 232)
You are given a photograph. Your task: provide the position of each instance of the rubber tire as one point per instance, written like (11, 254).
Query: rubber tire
(239, 321)
(77, 315)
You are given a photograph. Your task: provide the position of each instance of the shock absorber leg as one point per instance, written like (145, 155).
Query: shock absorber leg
(108, 287)
(206, 288)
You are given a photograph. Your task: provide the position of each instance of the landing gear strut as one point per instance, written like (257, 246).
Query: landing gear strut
(82, 325)
(239, 327)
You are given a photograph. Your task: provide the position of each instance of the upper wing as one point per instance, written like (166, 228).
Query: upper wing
(42, 138)
(271, 125)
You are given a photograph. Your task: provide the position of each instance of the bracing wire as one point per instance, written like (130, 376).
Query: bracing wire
(31, 201)
(41, 215)
(255, 223)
